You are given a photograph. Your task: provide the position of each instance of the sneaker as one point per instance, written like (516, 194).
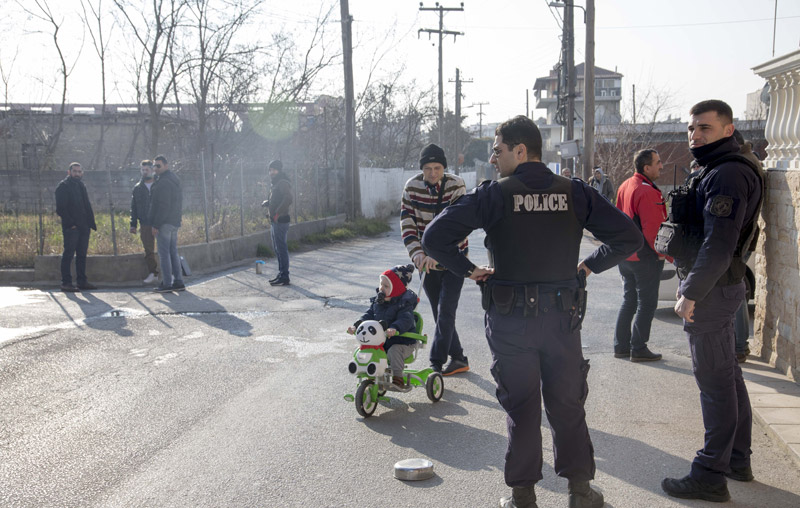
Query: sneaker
(455, 366)
(644, 355)
(86, 286)
(436, 367)
(280, 282)
(741, 474)
(622, 354)
(689, 488)
(582, 495)
(398, 382)
(150, 278)
(162, 289)
(68, 288)
(178, 286)
(521, 497)
(275, 279)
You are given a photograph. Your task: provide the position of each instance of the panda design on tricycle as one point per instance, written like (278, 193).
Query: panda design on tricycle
(371, 367)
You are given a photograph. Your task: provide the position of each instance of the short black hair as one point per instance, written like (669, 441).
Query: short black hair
(161, 158)
(521, 130)
(721, 108)
(643, 158)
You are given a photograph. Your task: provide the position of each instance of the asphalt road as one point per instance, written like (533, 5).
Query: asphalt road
(231, 395)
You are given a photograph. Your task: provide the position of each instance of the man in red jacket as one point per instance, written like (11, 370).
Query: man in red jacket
(643, 202)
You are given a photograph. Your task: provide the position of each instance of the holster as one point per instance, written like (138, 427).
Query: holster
(504, 298)
(486, 295)
(579, 302)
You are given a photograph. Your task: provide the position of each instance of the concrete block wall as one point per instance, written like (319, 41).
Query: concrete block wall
(777, 314)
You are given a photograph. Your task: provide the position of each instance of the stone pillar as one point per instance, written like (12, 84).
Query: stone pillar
(777, 319)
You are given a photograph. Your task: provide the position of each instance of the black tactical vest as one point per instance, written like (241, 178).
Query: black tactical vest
(538, 239)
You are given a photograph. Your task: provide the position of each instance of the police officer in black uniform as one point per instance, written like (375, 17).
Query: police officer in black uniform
(534, 301)
(726, 201)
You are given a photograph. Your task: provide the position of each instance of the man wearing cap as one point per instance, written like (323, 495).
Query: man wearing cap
(280, 198)
(424, 197)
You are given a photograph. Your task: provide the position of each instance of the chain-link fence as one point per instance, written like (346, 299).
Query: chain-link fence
(221, 199)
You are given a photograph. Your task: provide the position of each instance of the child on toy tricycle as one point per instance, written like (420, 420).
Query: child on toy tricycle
(394, 305)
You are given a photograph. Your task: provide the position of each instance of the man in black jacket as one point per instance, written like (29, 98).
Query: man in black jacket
(140, 206)
(725, 209)
(166, 205)
(280, 198)
(77, 217)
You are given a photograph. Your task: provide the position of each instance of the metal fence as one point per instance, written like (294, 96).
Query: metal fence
(221, 199)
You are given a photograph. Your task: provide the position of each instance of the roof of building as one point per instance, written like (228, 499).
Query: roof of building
(599, 72)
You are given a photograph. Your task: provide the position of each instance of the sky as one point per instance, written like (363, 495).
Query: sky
(686, 50)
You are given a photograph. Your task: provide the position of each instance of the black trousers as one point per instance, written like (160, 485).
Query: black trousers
(76, 244)
(727, 415)
(535, 358)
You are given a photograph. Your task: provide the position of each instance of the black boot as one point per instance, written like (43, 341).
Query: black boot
(582, 495)
(521, 497)
(689, 488)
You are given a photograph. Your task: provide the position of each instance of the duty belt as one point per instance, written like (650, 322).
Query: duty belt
(530, 297)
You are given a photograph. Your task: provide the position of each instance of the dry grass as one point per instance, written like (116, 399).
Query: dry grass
(19, 233)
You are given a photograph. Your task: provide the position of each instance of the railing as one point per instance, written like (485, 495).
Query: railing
(783, 121)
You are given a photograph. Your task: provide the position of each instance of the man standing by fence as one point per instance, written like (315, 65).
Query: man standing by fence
(140, 206)
(77, 217)
(280, 198)
(166, 209)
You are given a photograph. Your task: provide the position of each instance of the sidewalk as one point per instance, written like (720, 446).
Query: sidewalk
(776, 404)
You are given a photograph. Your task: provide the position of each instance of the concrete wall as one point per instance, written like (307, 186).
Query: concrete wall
(202, 258)
(777, 314)
(382, 189)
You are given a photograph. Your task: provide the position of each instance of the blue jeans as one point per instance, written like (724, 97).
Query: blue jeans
(76, 243)
(640, 282)
(168, 258)
(280, 231)
(443, 289)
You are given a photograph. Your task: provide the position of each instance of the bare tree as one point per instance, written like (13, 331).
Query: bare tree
(6, 70)
(41, 11)
(155, 30)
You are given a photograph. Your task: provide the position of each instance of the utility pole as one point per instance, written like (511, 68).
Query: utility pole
(569, 35)
(352, 187)
(441, 32)
(588, 93)
(458, 81)
(480, 116)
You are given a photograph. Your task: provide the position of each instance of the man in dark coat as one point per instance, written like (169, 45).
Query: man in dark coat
(166, 205)
(140, 207)
(77, 217)
(280, 198)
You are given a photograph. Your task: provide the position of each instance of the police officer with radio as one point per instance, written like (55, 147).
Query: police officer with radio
(535, 300)
(713, 222)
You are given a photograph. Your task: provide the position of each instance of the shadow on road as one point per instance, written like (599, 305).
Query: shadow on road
(427, 429)
(97, 314)
(207, 311)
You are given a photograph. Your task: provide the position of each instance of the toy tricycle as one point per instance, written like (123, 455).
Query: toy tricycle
(370, 366)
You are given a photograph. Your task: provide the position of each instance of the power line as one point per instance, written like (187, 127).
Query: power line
(695, 24)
